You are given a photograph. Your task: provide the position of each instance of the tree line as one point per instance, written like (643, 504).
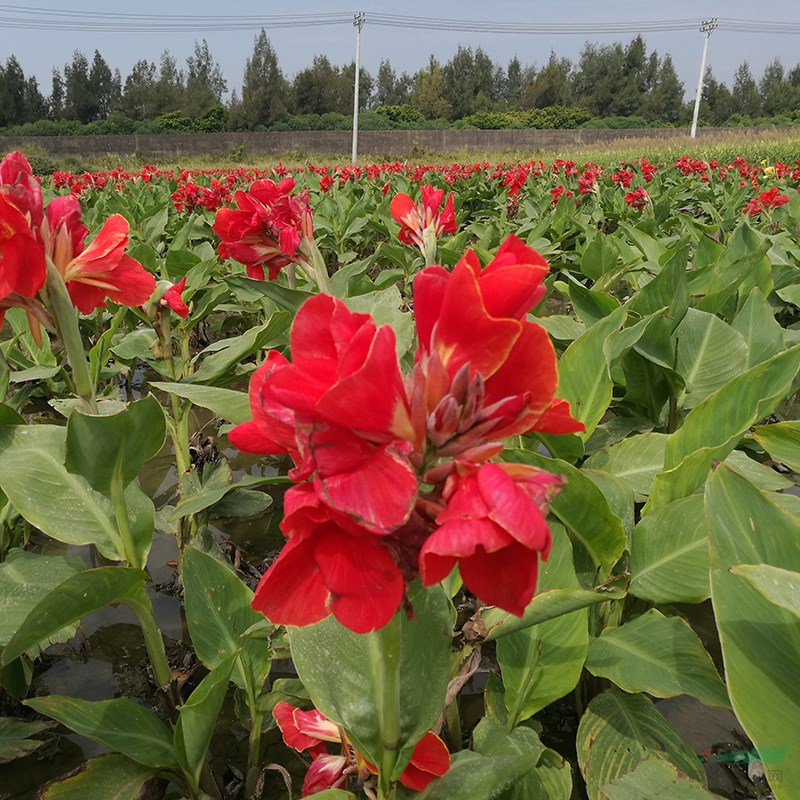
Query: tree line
(616, 81)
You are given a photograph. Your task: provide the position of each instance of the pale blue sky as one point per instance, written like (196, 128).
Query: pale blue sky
(408, 49)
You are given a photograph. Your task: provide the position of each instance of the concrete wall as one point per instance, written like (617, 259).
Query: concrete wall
(378, 144)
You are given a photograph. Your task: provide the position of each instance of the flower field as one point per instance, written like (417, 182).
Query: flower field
(439, 467)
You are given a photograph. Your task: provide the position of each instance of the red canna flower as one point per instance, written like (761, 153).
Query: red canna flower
(173, 299)
(100, 270)
(22, 263)
(638, 198)
(421, 223)
(476, 318)
(310, 731)
(493, 524)
(266, 228)
(339, 409)
(20, 187)
(329, 566)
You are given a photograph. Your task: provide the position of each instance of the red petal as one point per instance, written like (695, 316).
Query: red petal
(323, 774)
(401, 207)
(519, 568)
(558, 419)
(297, 739)
(429, 290)
(429, 760)
(366, 585)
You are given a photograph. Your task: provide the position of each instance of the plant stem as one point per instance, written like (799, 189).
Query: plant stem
(123, 523)
(66, 321)
(315, 266)
(384, 652)
(154, 643)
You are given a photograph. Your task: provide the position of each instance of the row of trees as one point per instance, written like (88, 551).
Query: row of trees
(607, 80)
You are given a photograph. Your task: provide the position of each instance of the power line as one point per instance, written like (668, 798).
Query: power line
(43, 18)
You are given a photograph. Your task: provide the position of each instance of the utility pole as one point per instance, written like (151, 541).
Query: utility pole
(358, 22)
(706, 28)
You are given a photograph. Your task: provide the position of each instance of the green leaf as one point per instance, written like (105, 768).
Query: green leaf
(217, 604)
(659, 655)
(122, 725)
(583, 376)
(546, 605)
(757, 324)
(618, 732)
(25, 578)
(760, 640)
(714, 428)
(71, 600)
(33, 374)
(250, 290)
(656, 779)
(478, 777)
(63, 505)
(583, 509)
(223, 356)
(708, 353)
(7, 414)
(591, 306)
(384, 307)
(105, 449)
(635, 460)
(351, 694)
(15, 741)
(781, 441)
(550, 778)
(543, 662)
(779, 586)
(110, 776)
(226, 403)
(198, 718)
(334, 794)
(669, 554)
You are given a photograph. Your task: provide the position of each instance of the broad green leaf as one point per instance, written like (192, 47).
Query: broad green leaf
(352, 693)
(33, 374)
(109, 449)
(669, 554)
(562, 327)
(583, 375)
(71, 600)
(26, 578)
(242, 503)
(250, 290)
(218, 612)
(7, 414)
(656, 779)
(618, 732)
(590, 306)
(760, 475)
(478, 777)
(658, 655)
(757, 324)
(136, 344)
(384, 307)
(226, 403)
(599, 257)
(781, 441)
(583, 509)
(551, 777)
(63, 505)
(334, 794)
(110, 776)
(198, 718)
(217, 363)
(779, 586)
(122, 725)
(543, 662)
(15, 741)
(708, 353)
(712, 430)
(760, 640)
(635, 460)
(546, 605)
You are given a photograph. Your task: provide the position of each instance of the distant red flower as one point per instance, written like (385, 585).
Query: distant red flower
(493, 524)
(556, 193)
(266, 228)
(101, 269)
(310, 731)
(766, 200)
(638, 198)
(326, 182)
(421, 223)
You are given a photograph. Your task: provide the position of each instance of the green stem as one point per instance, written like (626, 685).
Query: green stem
(384, 655)
(315, 266)
(429, 245)
(154, 643)
(123, 523)
(66, 321)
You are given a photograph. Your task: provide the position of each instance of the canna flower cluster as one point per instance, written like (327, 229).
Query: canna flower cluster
(394, 478)
(311, 732)
(421, 223)
(31, 235)
(267, 227)
(766, 201)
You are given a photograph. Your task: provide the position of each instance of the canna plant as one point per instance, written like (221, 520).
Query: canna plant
(456, 504)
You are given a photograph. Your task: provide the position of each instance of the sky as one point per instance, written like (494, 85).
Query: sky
(38, 51)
